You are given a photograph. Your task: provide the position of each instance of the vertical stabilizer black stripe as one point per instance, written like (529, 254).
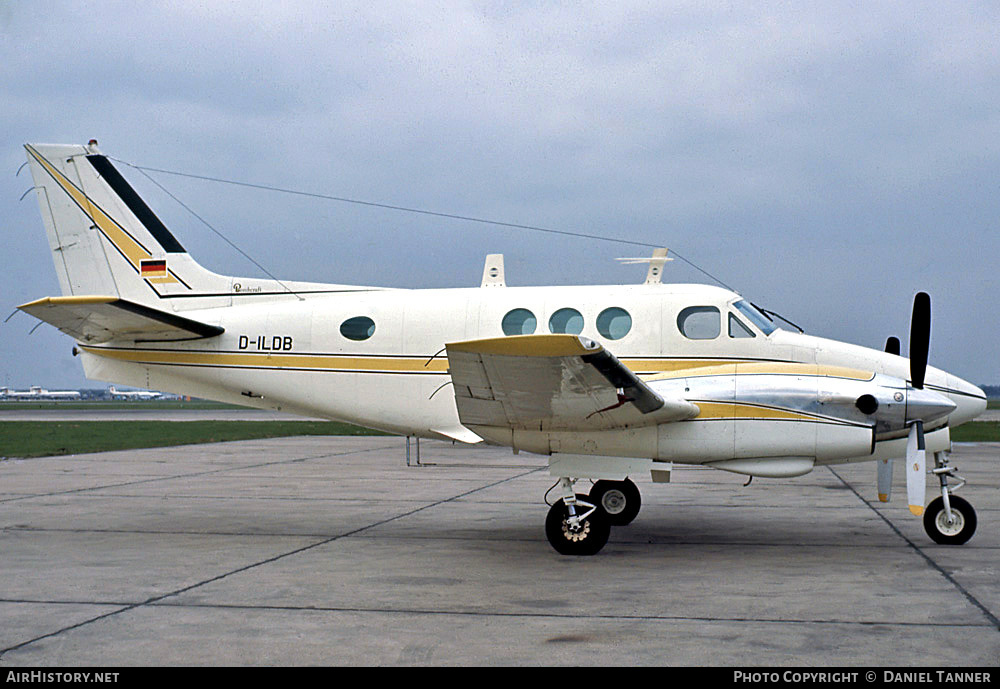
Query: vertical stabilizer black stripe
(135, 204)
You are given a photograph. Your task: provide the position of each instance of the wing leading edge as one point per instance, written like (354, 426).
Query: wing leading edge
(553, 382)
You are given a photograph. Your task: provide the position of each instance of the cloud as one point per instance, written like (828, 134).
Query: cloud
(813, 154)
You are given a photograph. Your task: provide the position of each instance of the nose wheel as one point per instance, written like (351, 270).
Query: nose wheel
(955, 528)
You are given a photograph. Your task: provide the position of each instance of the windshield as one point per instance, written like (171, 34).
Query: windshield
(765, 324)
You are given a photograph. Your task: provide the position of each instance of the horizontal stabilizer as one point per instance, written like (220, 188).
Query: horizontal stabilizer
(552, 382)
(97, 319)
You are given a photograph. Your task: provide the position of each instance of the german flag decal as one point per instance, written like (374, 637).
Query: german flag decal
(153, 268)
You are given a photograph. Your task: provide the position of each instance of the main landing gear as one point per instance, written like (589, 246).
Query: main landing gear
(620, 500)
(948, 520)
(580, 524)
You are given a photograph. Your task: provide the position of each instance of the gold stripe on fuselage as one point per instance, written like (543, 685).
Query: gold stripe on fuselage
(757, 368)
(269, 360)
(403, 364)
(745, 410)
(661, 369)
(668, 368)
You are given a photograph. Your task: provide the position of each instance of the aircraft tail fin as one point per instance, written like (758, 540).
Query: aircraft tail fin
(104, 238)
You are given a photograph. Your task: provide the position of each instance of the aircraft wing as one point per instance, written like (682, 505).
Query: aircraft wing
(552, 382)
(96, 319)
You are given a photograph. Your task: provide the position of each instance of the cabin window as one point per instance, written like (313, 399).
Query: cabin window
(566, 321)
(738, 329)
(519, 322)
(614, 323)
(358, 328)
(700, 322)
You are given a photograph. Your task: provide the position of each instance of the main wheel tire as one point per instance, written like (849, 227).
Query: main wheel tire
(620, 500)
(959, 531)
(588, 539)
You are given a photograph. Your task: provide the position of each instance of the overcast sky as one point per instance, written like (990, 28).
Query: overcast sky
(826, 159)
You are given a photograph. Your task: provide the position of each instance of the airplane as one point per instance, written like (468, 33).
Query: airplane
(134, 394)
(608, 382)
(39, 393)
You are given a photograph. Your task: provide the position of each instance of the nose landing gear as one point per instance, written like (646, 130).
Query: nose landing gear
(949, 520)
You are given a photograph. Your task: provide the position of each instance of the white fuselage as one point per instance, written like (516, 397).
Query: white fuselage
(289, 353)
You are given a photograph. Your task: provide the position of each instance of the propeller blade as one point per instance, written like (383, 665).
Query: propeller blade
(892, 345)
(884, 479)
(920, 338)
(916, 468)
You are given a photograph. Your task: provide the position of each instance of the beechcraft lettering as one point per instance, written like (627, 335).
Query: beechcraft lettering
(265, 343)
(609, 383)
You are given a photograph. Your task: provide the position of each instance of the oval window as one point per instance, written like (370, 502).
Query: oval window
(566, 321)
(519, 322)
(614, 323)
(700, 322)
(358, 328)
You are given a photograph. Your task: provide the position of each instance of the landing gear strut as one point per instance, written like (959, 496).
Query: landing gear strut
(948, 520)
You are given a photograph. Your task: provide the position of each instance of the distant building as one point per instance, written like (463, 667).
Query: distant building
(37, 392)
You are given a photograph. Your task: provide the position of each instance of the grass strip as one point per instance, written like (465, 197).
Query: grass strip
(46, 438)
(977, 432)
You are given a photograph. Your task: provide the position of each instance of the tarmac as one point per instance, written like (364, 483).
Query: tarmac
(333, 552)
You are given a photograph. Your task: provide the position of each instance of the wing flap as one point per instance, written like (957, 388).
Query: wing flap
(552, 382)
(97, 319)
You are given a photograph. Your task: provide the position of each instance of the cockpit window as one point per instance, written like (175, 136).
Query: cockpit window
(700, 322)
(765, 324)
(738, 329)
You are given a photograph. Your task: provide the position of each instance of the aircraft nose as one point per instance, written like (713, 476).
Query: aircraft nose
(927, 406)
(970, 399)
